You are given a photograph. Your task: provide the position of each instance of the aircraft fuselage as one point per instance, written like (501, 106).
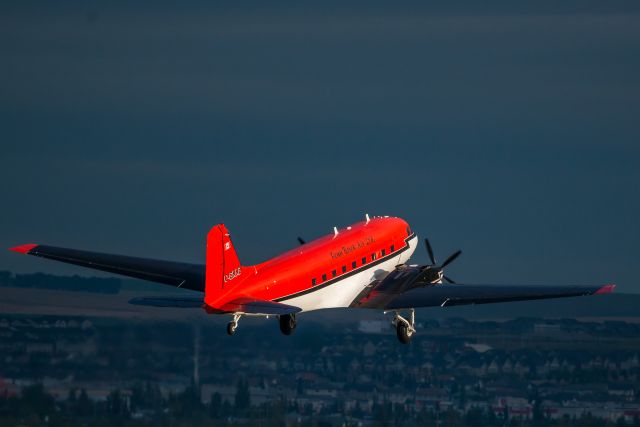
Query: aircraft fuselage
(330, 271)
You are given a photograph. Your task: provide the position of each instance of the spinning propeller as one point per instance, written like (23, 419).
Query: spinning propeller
(446, 262)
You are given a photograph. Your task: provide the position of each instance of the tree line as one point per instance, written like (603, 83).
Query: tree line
(105, 285)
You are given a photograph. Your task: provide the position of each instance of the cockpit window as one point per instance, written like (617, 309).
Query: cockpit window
(408, 231)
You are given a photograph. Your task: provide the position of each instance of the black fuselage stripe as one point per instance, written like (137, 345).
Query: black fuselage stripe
(349, 274)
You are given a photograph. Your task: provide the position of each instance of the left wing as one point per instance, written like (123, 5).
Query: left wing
(178, 274)
(404, 289)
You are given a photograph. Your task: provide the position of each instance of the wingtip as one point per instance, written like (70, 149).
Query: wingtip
(606, 289)
(24, 249)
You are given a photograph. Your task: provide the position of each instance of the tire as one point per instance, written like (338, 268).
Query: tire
(287, 324)
(231, 328)
(404, 335)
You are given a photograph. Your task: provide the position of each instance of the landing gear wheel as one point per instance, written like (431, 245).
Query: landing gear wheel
(404, 332)
(405, 328)
(231, 328)
(287, 323)
(233, 325)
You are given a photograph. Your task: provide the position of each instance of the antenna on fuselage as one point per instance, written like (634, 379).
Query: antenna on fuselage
(367, 217)
(335, 231)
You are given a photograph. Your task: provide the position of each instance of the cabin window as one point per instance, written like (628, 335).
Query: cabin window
(324, 277)
(382, 252)
(354, 264)
(364, 261)
(333, 273)
(313, 281)
(373, 256)
(344, 268)
(393, 248)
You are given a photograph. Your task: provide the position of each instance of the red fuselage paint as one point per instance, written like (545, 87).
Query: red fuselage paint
(322, 262)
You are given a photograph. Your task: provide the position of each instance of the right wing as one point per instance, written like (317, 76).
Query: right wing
(178, 274)
(459, 294)
(405, 287)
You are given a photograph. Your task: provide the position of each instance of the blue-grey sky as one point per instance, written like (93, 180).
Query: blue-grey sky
(508, 130)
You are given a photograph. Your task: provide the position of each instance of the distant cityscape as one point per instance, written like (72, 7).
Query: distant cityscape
(457, 372)
(104, 369)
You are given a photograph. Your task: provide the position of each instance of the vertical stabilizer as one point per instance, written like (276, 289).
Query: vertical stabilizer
(223, 266)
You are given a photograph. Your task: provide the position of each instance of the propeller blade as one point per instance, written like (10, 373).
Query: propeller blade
(430, 251)
(301, 240)
(450, 259)
(449, 280)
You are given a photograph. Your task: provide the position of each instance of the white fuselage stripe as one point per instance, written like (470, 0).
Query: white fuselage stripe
(342, 292)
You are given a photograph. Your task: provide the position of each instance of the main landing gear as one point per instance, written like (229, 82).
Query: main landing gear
(405, 328)
(233, 325)
(287, 323)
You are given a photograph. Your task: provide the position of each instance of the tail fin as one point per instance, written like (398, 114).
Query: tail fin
(223, 268)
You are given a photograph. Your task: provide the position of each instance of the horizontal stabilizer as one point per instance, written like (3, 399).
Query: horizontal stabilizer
(258, 307)
(178, 302)
(241, 305)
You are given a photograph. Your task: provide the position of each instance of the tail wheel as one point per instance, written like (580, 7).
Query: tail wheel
(287, 323)
(233, 325)
(405, 333)
(231, 328)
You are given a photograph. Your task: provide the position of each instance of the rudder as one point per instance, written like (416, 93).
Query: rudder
(223, 267)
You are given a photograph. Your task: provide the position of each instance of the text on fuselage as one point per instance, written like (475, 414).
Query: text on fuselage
(346, 250)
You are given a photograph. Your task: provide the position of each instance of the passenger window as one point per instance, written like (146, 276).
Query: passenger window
(313, 281)
(333, 273)
(324, 277)
(382, 252)
(354, 264)
(344, 268)
(364, 261)
(393, 248)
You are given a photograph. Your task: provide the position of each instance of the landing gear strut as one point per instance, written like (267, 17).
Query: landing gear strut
(405, 328)
(233, 325)
(287, 323)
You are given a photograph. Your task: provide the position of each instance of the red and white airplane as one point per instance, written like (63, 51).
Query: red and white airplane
(361, 266)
